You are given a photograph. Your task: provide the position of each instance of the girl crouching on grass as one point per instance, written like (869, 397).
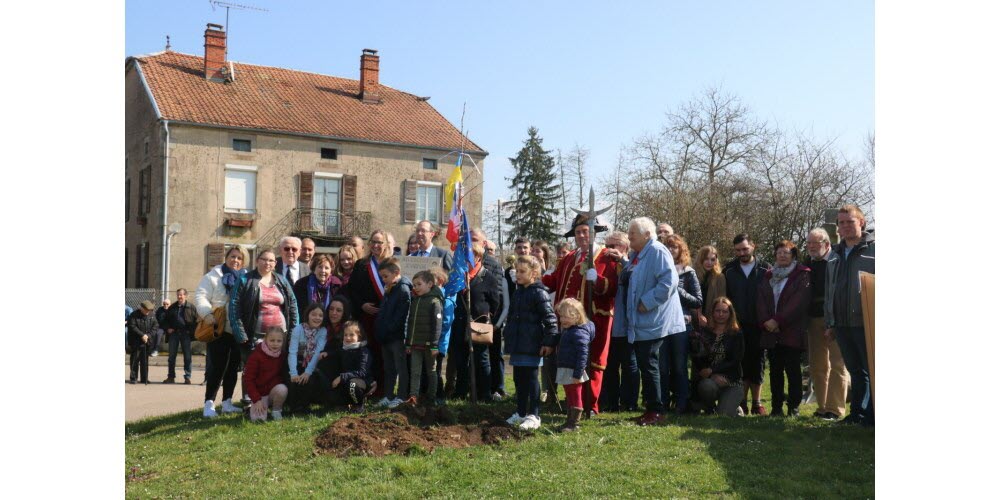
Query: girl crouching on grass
(530, 335)
(262, 376)
(354, 365)
(571, 358)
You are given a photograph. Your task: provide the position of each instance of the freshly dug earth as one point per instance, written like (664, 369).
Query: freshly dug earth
(413, 430)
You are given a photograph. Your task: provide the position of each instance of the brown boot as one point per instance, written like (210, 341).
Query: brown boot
(572, 420)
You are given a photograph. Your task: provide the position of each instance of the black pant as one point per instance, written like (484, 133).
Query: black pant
(348, 392)
(647, 354)
(753, 356)
(139, 362)
(785, 361)
(225, 354)
(184, 339)
(496, 364)
(528, 391)
(620, 388)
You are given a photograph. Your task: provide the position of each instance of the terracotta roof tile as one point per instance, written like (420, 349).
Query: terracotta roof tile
(280, 99)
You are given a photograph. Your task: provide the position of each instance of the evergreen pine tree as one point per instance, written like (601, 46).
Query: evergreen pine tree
(535, 192)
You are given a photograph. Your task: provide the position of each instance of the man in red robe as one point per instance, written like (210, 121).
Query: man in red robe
(596, 289)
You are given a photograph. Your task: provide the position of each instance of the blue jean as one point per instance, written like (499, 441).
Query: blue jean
(674, 370)
(184, 339)
(851, 341)
(397, 374)
(620, 388)
(647, 355)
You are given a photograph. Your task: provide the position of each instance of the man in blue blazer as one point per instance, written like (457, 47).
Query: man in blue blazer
(425, 242)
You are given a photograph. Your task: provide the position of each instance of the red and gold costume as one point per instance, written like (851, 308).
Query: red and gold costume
(598, 300)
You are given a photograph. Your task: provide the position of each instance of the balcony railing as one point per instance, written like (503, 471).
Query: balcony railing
(333, 225)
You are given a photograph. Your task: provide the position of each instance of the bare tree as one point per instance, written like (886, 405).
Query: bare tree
(715, 170)
(576, 163)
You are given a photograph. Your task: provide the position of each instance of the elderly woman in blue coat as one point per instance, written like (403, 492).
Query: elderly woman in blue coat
(647, 293)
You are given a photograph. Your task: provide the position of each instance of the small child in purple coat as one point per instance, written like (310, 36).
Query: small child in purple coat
(571, 358)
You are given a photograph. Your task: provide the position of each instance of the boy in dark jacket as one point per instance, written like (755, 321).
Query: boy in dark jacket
(390, 330)
(423, 333)
(141, 327)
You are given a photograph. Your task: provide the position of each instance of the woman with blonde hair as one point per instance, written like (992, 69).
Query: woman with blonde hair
(718, 367)
(711, 279)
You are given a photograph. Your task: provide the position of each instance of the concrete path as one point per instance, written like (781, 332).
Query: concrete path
(157, 398)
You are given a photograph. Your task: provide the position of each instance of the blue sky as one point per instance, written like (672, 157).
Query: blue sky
(593, 73)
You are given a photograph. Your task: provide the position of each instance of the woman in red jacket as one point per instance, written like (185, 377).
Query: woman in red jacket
(262, 376)
(783, 313)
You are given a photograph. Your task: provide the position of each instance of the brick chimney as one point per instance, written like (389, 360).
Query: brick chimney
(215, 52)
(369, 76)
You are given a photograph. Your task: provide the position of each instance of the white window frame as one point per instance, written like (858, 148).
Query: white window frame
(423, 216)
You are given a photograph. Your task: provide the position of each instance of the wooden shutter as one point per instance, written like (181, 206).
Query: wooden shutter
(348, 204)
(305, 189)
(145, 265)
(305, 200)
(409, 201)
(215, 255)
(349, 189)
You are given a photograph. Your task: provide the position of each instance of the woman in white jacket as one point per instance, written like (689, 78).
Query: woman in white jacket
(213, 291)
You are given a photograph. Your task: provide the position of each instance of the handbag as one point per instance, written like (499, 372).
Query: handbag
(482, 332)
(206, 332)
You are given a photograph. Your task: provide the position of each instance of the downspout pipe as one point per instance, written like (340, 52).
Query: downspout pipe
(165, 253)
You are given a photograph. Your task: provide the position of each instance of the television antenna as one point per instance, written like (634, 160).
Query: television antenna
(236, 6)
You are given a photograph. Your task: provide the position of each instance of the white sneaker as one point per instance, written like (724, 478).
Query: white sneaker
(276, 414)
(209, 410)
(530, 423)
(383, 402)
(228, 407)
(496, 396)
(395, 402)
(155, 353)
(515, 419)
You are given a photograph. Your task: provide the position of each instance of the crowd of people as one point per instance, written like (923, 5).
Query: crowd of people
(606, 322)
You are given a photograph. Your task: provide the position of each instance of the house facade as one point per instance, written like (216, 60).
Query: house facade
(220, 153)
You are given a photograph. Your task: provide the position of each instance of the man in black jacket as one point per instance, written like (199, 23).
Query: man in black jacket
(181, 321)
(743, 276)
(141, 326)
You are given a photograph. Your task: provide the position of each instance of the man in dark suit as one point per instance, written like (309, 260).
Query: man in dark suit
(288, 265)
(425, 233)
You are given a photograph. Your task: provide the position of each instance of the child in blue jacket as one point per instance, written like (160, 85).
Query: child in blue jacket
(530, 334)
(571, 358)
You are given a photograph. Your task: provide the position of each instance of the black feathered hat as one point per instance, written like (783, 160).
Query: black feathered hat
(583, 219)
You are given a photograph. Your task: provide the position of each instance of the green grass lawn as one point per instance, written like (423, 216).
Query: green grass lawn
(754, 457)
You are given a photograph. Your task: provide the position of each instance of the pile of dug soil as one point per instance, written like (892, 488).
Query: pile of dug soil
(413, 430)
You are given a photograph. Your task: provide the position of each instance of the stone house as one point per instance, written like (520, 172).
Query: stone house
(220, 153)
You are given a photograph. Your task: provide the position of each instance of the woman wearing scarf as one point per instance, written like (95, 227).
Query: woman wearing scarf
(347, 256)
(365, 290)
(318, 287)
(222, 355)
(783, 312)
(484, 301)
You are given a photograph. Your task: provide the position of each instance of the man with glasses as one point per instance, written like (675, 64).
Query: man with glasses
(425, 233)
(289, 266)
